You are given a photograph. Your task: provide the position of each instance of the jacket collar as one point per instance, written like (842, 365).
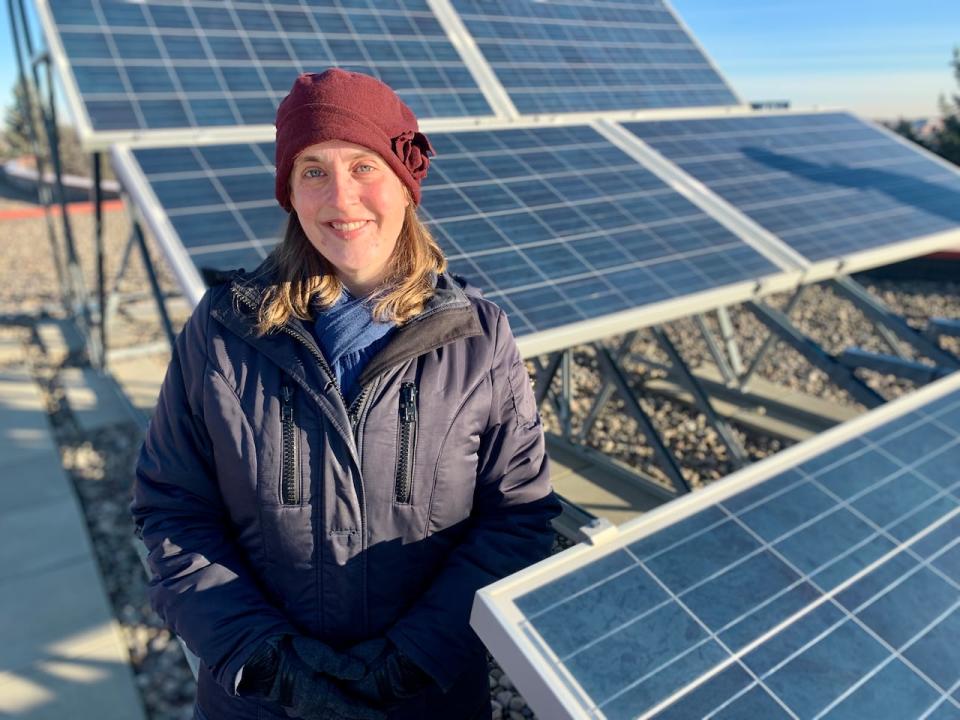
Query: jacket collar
(447, 316)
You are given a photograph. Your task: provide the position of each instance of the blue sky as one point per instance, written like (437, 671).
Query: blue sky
(880, 58)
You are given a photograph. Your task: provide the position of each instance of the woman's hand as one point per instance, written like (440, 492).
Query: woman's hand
(390, 676)
(300, 674)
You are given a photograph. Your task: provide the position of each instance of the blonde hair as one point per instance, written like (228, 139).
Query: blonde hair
(302, 277)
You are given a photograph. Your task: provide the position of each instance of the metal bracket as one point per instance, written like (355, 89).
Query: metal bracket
(598, 531)
(840, 374)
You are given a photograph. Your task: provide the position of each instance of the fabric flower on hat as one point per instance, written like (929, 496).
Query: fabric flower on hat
(413, 149)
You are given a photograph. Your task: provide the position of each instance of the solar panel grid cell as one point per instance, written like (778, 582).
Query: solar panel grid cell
(566, 57)
(827, 184)
(158, 64)
(826, 629)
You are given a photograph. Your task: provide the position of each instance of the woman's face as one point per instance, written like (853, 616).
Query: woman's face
(351, 206)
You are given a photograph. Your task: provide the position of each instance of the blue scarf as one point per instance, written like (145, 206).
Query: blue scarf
(349, 337)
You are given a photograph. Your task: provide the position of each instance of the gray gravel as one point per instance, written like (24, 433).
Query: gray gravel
(100, 463)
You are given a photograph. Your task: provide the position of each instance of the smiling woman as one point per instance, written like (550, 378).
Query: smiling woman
(346, 446)
(351, 206)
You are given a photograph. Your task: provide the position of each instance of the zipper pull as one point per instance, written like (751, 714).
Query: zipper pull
(408, 403)
(287, 395)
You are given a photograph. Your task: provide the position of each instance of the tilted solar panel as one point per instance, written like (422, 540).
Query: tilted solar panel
(556, 57)
(823, 582)
(556, 224)
(828, 184)
(155, 65)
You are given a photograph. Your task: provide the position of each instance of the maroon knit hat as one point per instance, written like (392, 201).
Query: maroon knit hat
(341, 105)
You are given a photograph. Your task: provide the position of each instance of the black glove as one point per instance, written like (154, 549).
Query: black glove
(391, 676)
(297, 672)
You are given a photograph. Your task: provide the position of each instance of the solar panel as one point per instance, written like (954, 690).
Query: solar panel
(822, 582)
(153, 65)
(556, 57)
(555, 224)
(829, 185)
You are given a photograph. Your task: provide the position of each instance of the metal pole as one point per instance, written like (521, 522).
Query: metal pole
(27, 108)
(730, 339)
(668, 463)
(729, 438)
(544, 379)
(566, 390)
(113, 298)
(768, 343)
(606, 389)
(729, 376)
(154, 283)
(82, 310)
(98, 240)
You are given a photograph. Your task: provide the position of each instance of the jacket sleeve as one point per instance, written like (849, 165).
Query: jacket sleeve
(201, 586)
(509, 523)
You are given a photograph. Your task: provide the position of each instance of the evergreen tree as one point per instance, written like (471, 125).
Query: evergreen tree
(16, 123)
(947, 140)
(905, 128)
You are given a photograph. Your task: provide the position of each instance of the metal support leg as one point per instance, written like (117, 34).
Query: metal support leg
(30, 113)
(545, 375)
(98, 242)
(768, 343)
(544, 382)
(729, 438)
(668, 463)
(730, 340)
(154, 283)
(719, 359)
(938, 327)
(113, 299)
(566, 391)
(889, 364)
(778, 323)
(606, 389)
(882, 317)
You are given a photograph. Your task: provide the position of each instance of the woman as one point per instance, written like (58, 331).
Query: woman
(346, 445)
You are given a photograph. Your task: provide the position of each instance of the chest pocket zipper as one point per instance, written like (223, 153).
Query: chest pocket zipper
(289, 485)
(406, 442)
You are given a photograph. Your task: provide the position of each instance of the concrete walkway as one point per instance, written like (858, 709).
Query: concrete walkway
(61, 651)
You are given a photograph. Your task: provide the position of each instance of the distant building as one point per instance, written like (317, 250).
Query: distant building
(770, 104)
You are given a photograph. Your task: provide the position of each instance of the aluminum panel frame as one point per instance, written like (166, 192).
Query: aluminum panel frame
(525, 657)
(152, 213)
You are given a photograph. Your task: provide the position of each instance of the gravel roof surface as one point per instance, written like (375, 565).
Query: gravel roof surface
(100, 463)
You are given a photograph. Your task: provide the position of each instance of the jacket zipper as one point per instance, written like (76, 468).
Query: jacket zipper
(355, 410)
(321, 360)
(289, 487)
(406, 443)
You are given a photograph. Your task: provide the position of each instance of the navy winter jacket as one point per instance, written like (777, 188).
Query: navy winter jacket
(268, 507)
